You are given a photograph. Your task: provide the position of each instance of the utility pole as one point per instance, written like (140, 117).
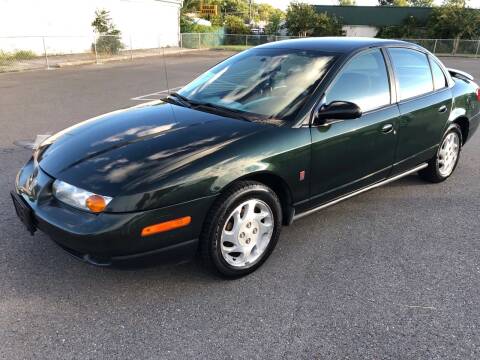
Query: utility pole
(250, 12)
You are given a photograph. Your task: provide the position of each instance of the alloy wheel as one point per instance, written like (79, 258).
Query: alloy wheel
(448, 154)
(247, 233)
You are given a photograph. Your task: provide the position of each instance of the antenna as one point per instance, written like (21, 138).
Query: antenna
(165, 69)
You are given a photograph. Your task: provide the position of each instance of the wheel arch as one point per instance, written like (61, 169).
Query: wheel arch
(278, 185)
(464, 124)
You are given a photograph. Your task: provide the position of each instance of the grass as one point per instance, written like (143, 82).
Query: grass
(231, 47)
(9, 57)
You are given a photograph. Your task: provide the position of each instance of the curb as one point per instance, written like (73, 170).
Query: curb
(123, 58)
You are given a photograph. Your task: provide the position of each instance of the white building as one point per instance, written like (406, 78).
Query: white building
(67, 23)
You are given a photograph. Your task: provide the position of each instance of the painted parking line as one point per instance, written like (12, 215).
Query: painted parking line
(156, 95)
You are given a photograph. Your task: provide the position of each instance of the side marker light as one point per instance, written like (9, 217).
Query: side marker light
(166, 226)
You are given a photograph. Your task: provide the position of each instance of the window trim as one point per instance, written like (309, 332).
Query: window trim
(352, 58)
(430, 60)
(330, 76)
(397, 83)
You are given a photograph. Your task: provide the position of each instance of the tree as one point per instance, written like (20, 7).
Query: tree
(190, 6)
(421, 3)
(265, 11)
(300, 19)
(326, 25)
(393, 2)
(108, 40)
(347, 2)
(303, 20)
(235, 25)
(238, 8)
(275, 22)
(454, 20)
(411, 28)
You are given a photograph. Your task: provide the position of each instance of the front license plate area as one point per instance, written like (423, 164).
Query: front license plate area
(24, 212)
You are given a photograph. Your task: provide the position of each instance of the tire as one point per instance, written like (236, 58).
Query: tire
(241, 229)
(436, 171)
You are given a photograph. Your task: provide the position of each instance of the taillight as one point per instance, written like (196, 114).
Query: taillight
(478, 94)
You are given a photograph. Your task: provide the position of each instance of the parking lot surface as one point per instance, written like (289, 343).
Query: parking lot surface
(391, 274)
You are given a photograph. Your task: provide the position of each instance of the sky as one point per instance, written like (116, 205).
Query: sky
(282, 4)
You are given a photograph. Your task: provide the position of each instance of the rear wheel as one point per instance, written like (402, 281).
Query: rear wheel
(443, 164)
(241, 229)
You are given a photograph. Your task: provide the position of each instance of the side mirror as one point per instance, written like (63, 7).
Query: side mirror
(335, 111)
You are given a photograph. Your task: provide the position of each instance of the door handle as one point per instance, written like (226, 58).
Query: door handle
(387, 128)
(442, 109)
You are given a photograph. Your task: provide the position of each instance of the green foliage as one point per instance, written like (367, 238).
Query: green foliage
(238, 8)
(275, 22)
(103, 22)
(303, 20)
(300, 19)
(411, 28)
(187, 26)
(454, 20)
(329, 26)
(421, 3)
(216, 20)
(23, 55)
(190, 5)
(108, 45)
(246, 10)
(393, 2)
(235, 25)
(108, 40)
(8, 57)
(265, 11)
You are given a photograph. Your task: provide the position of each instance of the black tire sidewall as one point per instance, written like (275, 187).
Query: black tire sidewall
(259, 192)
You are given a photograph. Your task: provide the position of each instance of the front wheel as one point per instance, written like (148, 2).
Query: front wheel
(242, 229)
(443, 164)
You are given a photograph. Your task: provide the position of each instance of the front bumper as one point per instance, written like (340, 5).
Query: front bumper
(110, 238)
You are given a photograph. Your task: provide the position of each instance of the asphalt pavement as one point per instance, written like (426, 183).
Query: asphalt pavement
(391, 274)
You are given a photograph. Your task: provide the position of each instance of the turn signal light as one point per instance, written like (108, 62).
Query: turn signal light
(96, 203)
(166, 226)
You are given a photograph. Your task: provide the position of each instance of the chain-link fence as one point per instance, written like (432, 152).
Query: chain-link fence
(455, 47)
(34, 52)
(227, 41)
(440, 47)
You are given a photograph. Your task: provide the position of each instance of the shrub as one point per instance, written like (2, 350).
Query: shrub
(187, 26)
(108, 45)
(23, 55)
(109, 36)
(7, 58)
(303, 20)
(235, 25)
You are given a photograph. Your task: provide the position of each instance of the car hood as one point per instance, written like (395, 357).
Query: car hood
(111, 154)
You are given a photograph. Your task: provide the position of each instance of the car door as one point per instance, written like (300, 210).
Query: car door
(424, 101)
(351, 154)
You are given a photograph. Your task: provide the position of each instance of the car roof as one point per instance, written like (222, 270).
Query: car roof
(333, 44)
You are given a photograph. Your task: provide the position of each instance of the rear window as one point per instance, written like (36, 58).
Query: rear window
(412, 71)
(439, 80)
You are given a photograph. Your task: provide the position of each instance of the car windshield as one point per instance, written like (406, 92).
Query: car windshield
(268, 83)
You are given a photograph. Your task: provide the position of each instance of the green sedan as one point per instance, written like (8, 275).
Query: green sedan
(267, 136)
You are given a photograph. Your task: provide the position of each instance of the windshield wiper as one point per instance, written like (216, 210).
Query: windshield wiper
(220, 109)
(182, 100)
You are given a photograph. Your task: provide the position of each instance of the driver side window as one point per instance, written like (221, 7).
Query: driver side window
(363, 81)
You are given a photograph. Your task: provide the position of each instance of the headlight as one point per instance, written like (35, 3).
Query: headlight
(79, 198)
